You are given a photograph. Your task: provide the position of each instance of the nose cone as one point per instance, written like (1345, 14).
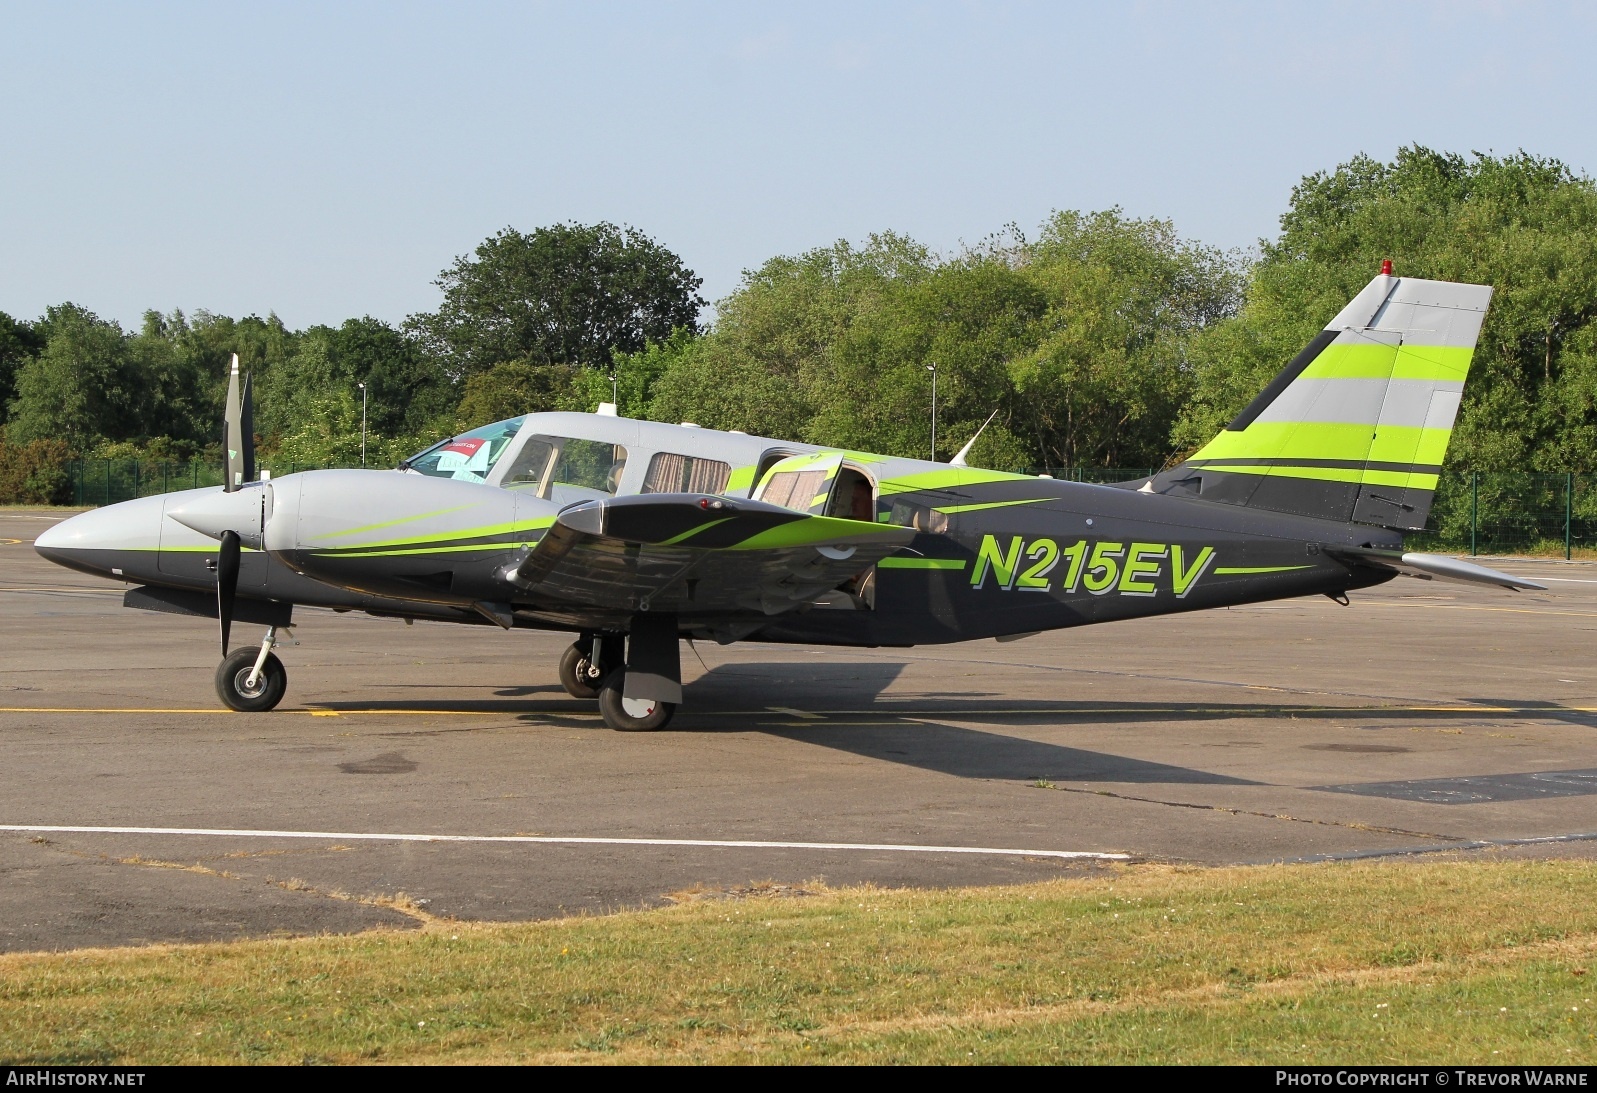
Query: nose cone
(103, 541)
(212, 512)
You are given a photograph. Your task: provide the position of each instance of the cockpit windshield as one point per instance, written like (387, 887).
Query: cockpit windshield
(470, 456)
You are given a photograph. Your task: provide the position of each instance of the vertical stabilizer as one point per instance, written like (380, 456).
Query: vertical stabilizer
(1355, 427)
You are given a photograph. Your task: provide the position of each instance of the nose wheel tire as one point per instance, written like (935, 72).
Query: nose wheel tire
(236, 692)
(577, 674)
(632, 714)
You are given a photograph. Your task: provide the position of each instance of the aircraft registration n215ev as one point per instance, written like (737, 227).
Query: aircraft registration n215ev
(634, 534)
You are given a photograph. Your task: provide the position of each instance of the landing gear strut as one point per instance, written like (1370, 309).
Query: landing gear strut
(578, 673)
(252, 680)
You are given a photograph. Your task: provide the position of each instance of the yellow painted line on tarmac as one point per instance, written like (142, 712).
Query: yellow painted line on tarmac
(76, 591)
(11, 542)
(910, 715)
(312, 713)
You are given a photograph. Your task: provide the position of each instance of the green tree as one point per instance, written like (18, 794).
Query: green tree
(1523, 224)
(18, 342)
(766, 366)
(180, 411)
(514, 388)
(408, 393)
(1109, 370)
(82, 387)
(570, 294)
(968, 317)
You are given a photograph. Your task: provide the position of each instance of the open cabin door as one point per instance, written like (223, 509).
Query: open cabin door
(802, 483)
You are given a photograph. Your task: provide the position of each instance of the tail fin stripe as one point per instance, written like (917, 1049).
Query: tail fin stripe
(1415, 361)
(1282, 381)
(1330, 464)
(1357, 401)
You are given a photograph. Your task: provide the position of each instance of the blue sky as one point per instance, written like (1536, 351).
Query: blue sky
(326, 161)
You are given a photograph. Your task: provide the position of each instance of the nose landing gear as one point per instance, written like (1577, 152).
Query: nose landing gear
(252, 680)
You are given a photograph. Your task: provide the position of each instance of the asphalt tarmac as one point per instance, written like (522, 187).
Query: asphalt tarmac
(1426, 718)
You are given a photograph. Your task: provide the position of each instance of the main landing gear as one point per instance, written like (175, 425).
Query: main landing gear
(637, 677)
(252, 680)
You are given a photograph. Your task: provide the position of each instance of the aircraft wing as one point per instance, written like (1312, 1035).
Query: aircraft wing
(1428, 566)
(695, 555)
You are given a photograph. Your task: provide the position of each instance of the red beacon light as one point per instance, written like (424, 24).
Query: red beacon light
(1386, 267)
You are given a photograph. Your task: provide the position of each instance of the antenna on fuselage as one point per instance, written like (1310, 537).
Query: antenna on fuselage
(959, 460)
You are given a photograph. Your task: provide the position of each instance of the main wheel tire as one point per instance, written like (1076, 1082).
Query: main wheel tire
(631, 714)
(577, 674)
(232, 681)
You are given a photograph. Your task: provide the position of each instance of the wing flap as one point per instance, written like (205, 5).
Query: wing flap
(696, 555)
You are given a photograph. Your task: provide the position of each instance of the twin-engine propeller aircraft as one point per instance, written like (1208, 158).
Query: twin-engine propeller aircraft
(634, 534)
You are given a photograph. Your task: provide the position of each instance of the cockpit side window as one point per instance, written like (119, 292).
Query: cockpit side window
(470, 456)
(567, 469)
(672, 473)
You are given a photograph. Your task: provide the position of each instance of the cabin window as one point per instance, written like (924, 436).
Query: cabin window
(470, 456)
(672, 473)
(794, 489)
(853, 497)
(566, 470)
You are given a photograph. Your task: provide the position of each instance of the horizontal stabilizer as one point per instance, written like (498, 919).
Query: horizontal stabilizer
(1427, 566)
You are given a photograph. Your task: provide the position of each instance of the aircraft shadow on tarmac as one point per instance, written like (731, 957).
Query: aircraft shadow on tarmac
(972, 753)
(947, 749)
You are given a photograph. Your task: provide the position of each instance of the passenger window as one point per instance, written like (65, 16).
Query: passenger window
(566, 470)
(853, 497)
(671, 473)
(920, 517)
(794, 489)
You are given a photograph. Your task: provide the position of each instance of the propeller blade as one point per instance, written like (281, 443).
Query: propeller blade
(233, 433)
(226, 583)
(247, 428)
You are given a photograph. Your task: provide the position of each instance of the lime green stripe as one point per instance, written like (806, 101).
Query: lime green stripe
(1259, 568)
(921, 563)
(464, 533)
(1370, 361)
(495, 547)
(951, 509)
(809, 531)
(945, 479)
(1322, 440)
(742, 478)
(401, 520)
(675, 539)
(189, 549)
(1395, 479)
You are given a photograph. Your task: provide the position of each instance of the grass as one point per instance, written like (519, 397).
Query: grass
(1483, 962)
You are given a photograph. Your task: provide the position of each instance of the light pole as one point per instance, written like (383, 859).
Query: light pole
(362, 387)
(932, 368)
